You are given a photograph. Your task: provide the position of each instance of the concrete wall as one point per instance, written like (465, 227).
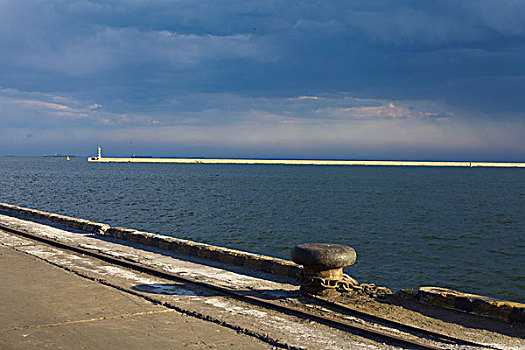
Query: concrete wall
(299, 162)
(263, 263)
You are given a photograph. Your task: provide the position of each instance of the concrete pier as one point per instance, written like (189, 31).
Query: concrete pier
(54, 298)
(305, 162)
(62, 299)
(46, 307)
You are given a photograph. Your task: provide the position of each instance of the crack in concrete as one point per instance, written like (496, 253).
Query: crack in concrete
(95, 319)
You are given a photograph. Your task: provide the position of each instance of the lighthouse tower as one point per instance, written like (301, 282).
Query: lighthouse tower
(98, 157)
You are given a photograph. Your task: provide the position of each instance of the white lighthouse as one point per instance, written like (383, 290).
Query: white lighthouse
(98, 157)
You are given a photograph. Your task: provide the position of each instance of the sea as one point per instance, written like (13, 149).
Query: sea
(458, 228)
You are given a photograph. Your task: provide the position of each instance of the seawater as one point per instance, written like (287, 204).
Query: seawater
(460, 228)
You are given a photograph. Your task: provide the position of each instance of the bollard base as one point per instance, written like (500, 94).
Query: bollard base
(323, 273)
(320, 291)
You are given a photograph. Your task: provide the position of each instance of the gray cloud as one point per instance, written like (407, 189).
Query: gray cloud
(209, 64)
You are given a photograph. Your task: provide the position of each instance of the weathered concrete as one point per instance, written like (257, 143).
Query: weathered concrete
(235, 257)
(272, 327)
(44, 307)
(467, 302)
(481, 305)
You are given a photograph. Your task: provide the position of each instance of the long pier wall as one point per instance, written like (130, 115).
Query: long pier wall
(304, 162)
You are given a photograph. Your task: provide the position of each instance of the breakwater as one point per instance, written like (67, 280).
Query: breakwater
(304, 162)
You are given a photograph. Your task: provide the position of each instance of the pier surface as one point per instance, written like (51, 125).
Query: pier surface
(46, 307)
(51, 297)
(305, 162)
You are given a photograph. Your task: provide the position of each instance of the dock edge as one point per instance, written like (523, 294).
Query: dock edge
(275, 266)
(435, 296)
(465, 302)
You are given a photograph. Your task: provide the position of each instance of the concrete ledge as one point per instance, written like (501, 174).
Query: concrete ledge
(471, 303)
(263, 263)
(79, 224)
(302, 162)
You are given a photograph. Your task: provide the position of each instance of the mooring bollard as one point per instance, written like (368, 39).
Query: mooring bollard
(322, 265)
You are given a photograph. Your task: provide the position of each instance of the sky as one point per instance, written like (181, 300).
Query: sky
(413, 80)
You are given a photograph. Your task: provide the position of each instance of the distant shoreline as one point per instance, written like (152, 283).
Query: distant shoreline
(304, 162)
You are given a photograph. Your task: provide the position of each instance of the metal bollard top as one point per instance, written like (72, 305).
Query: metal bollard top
(326, 255)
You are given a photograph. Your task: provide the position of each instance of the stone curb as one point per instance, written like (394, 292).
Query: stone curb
(225, 255)
(263, 263)
(79, 224)
(465, 302)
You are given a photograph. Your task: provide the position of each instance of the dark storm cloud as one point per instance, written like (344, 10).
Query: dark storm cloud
(421, 49)
(203, 63)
